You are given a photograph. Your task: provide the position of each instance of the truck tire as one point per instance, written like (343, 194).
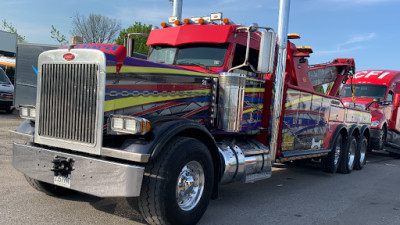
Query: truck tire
(49, 189)
(347, 158)
(380, 141)
(362, 148)
(177, 185)
(330, 163)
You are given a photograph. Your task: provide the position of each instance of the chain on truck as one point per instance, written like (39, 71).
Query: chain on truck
(202, 110)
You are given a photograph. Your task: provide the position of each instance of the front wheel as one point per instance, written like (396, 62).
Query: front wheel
(347, 158)
(381, 139)
(177, 185)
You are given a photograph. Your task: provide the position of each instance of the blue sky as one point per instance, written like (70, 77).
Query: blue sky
(367, 30)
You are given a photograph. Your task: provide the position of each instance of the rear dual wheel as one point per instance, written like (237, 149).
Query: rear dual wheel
(330, 162)
(362, 148)
(348, 156)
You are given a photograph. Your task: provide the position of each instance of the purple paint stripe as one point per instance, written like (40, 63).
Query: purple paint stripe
(145, 63)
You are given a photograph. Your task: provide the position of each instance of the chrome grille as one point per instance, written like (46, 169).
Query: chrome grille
(68, 102)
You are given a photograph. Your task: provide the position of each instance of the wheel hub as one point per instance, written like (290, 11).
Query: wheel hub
(337, 154)
(352, 152)
(190, 185)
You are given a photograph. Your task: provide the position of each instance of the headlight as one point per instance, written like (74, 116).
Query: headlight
(128, 125)
(27, 112)
(375, 123)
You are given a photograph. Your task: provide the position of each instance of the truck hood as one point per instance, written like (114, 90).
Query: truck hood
(359, 101)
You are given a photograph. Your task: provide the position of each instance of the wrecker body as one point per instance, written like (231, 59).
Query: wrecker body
(198, 113)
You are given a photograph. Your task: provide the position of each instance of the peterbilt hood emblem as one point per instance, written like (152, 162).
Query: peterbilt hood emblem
(68, 56)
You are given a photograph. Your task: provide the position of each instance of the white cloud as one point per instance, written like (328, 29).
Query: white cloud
(357, 39)
(348, 46)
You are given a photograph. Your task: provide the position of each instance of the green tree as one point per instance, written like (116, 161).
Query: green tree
(10, 28)
(140, 41)
(56, 35)
(320, 89)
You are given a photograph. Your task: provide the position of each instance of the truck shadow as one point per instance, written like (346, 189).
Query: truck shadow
(122, 207)
(284, 176)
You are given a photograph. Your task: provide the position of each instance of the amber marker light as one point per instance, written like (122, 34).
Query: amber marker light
(186, 21)
(293, 36)
(164, 24)
(201, 21)
(308, 49)
(225, 20)
(177, 22)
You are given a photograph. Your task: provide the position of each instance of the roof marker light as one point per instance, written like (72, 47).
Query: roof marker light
(164, 24)
(307, 49)
(201, 21)
(226, 21)
(186, 21)
(177, 22)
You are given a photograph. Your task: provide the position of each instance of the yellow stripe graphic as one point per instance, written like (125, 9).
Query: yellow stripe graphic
(142, 100)
(253, 109)
(248, 90)
(303, 99)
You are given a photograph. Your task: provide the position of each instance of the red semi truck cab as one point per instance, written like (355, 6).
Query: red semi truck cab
(379, 92)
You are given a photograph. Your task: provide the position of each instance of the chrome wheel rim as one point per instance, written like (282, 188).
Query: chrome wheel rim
(363, 151)
(352, 155)
(190, 185)
(337, 151)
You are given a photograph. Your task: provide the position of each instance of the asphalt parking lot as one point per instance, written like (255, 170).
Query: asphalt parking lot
(294, 195)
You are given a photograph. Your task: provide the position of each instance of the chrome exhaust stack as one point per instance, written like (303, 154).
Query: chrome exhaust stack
(230, 102)
(279, 75)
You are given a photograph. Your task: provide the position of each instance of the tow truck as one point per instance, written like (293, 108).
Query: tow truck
(201, 111)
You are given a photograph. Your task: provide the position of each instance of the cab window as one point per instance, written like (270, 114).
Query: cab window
(389, 97)
(238, 59)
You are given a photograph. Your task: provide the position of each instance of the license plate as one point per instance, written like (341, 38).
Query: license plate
(64, 181)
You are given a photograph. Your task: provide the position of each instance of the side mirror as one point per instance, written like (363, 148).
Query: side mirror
(267, 52)
(396, 100)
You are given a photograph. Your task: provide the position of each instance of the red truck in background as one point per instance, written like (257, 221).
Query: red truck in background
(379, 92)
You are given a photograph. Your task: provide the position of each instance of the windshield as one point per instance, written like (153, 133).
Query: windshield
(204, 54)
(365, 90)
(3, 78)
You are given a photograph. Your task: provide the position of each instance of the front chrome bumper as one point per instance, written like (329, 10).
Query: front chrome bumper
(90, 175)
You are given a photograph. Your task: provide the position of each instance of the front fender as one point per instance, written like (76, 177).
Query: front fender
(339, 130)
(163, 130)
(378, 116)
